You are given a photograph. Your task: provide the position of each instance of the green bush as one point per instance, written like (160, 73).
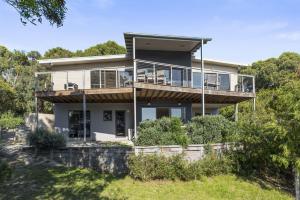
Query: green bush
(9, 121)
(5, 171)
(210, 129)
(151, 167)
(164, 131)
(45, 140)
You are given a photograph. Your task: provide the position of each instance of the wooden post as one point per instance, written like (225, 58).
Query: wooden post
(134, 90)
(202, 77)
(236, 112)
(254, 104)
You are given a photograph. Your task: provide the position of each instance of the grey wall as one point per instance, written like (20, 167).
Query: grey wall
(171, 57)
(100, 130)
(188, 108)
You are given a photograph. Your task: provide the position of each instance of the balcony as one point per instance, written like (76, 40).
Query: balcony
(153, 81)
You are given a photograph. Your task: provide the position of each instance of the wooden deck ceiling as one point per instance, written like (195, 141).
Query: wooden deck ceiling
(145, 92)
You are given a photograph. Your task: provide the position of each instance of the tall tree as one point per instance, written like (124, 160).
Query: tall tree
(34, 11)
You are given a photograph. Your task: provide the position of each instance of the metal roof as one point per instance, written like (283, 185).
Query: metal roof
(128, 36)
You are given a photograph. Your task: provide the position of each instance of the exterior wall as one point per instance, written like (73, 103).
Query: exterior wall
(80, 74)
(46, 121)
(188, 108)
(100, 130)
(170, 57)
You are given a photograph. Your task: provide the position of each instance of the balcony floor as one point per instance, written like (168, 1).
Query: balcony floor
(145, 92)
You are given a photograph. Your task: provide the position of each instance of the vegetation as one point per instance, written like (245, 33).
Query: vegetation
(70, 183)
(210, 129)
(34, 11)
(152, 167)
(45, 140)
(270, 136)
(9, 121)
(164, 131)
(5, 171)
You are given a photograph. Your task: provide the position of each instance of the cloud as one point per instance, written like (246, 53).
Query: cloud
(266, 26)
(293, 35)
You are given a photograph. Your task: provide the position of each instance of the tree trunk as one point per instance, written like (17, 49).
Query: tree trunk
(297, 184)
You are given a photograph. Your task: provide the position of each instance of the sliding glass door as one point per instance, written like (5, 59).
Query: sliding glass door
(76, 124)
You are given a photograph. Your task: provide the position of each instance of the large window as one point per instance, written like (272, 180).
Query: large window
(159, 112)
(197, 80)
(76, 124)
(224, 82)
(95, 79)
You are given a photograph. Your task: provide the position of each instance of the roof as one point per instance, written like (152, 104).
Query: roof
(220, 62)
(120, 57)
(166, 42)
(81, 60)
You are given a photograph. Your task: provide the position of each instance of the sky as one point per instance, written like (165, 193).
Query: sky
(242, 31)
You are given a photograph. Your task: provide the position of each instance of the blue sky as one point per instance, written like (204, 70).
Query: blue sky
(242, 30)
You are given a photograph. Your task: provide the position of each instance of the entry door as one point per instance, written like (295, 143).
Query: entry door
(120, 123)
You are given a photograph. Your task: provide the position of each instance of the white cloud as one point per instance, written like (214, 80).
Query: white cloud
(293, 35)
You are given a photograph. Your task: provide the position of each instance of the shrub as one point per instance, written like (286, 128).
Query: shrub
(9, 121)
(5, 171)
(151, 167)
(210, 129)
(45, 140)
(164, 131)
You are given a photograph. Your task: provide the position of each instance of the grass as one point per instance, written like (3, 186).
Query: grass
(41, 182)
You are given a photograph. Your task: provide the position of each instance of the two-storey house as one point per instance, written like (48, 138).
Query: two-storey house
(104, 98)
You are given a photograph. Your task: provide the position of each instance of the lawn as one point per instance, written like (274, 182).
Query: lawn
(62, 183)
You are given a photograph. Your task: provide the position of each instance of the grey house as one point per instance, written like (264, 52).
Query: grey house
(104, 98)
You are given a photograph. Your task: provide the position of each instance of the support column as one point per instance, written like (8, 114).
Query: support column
(134, 90)
(236, 112)
(84, 107)
(202, 82)
(254, 104)
(84, 116)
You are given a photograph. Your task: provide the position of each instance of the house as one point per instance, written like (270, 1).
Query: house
(104, 98)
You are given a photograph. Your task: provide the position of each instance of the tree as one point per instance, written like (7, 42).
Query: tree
(107, 48)
(58, 52)
(34, 11)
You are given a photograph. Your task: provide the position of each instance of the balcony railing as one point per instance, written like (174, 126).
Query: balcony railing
(181, 76)
(84, 79)
(146, 72)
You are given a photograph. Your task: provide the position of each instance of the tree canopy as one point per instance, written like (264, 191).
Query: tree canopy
(34, 11)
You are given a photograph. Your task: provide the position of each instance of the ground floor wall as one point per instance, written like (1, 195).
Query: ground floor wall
(103, 127)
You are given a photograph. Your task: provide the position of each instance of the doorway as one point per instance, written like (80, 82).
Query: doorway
(120, 120)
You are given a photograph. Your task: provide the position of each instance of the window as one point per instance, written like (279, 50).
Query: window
(162, 112)
(76, 124)
(197, 80)
(159, 112)
(107, 115)
(224, 82)
(177, 77)
(95, 79)
(148, 113)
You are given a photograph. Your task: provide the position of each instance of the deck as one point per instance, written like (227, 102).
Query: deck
(145, 92)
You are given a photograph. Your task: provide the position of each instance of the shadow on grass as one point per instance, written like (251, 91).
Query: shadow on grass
(269, 182)
(42, 182)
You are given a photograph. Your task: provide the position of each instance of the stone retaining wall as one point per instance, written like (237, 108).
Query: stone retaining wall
(104, 159)
(191, 153)
(114, 159)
